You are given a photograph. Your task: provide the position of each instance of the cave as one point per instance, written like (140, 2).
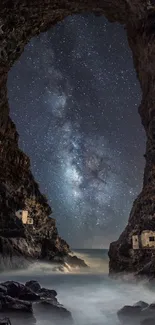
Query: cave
(19, 22)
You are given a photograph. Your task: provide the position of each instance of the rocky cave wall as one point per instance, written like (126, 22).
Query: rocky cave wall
(21, 20)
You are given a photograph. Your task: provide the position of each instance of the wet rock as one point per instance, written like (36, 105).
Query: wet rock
(5, 321)
(141, 304)
(140, 313)
(43, 293)
(13, 288)
(48, 306)
(149, 312)
(129, 312)
(55, 311)
(29, 296)
(20, 303)
(8, 303)
(74, 261)
(33, 285)
(47, 293)
(20, 291)
(152, 306)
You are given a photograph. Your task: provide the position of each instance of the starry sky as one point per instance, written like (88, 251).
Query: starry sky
(74, 98)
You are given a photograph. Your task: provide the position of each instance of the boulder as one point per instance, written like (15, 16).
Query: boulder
(28, 296)
(47, 293)
(141, 304)
(55, 311)
(149, 312)
(43, 293)
(13, 288)
(16, 300)
(140, 313)
(33, 285)
(129, 311)
(8, 303)
(152, 306)
(18, 290)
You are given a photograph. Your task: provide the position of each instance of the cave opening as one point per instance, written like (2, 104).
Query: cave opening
(19, 22)
(77, 90)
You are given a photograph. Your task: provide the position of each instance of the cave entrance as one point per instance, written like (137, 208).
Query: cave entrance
(78, 92)
(19, 22)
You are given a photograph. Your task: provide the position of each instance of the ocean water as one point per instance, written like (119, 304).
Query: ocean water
(92, 297)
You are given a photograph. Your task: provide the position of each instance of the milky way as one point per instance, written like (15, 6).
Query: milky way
(74, 97)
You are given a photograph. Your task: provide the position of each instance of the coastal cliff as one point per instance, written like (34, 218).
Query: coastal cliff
(19, 191)
(123, 258)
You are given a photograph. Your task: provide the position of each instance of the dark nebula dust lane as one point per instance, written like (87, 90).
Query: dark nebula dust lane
(74, 98)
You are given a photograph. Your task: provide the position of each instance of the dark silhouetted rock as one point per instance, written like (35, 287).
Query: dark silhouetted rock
(13, 288)
(33, 285)
(152, 306)
(148, 321)
(5, 321)
(8, 303)
(55, 311)
(140, 313)
(29, 296)
(20, 291)
(47, 293)
(129, 312)
(19, 303)
(74, 261)
(141, 304)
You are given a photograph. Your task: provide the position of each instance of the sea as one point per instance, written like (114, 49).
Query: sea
(90, 295)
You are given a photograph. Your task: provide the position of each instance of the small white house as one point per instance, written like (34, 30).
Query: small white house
(23, 215)
(145, 240)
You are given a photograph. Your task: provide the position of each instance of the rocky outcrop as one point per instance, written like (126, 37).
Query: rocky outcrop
(123, 258)
(18, 190)
(142, 217)
(20, 244)
(19, 301)
(19, 21)
(140, 313)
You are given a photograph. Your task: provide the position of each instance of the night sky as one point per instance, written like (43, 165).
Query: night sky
(74, 98)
